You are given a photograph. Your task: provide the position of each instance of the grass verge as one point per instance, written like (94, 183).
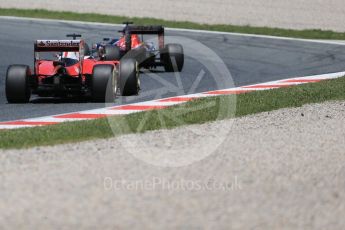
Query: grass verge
(91, 17)
(194, 112)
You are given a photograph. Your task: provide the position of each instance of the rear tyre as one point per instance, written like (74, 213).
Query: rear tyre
(172, 57)
(103, 83)
(129, 77)
(18, 84)
(139, 54)
(112, 53)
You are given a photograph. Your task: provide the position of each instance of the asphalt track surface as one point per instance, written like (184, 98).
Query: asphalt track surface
(249, 59)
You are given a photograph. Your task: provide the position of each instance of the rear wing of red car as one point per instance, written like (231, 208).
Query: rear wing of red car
(147, 30)
(59, 45)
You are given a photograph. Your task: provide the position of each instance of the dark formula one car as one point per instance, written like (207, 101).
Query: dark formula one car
(68, 72)
(132, 45)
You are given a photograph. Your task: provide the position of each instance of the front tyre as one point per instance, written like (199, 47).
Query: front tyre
(112, 53)
(104, 83)
(172, 57)
(18, 84)
(129, 77)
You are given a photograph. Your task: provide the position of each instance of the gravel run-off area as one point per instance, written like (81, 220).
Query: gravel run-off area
(294, 14)
(278, 170)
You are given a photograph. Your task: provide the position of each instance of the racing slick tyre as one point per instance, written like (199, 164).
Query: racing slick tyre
(140, 55)
(18, 84)
(129, 77)
(104, 83)
(112, 53)
(172, 57)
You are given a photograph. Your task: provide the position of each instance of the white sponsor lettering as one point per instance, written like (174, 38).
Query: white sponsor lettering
(58, 43)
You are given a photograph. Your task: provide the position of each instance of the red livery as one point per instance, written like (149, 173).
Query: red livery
(70, 71)
(148, 53)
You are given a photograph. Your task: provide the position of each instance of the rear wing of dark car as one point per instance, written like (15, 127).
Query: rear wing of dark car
(59, 45)
(159, 30)
(147, 30)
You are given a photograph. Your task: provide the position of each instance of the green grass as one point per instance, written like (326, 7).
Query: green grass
(90, 17)
(195, 112)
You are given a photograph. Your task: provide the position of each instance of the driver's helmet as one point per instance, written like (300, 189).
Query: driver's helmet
(70, 58)
(71, 55)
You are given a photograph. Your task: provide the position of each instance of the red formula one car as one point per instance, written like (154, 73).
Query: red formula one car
(132, 44)
(61, 69)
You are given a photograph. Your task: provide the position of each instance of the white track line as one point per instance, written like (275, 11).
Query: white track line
(160, 103)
